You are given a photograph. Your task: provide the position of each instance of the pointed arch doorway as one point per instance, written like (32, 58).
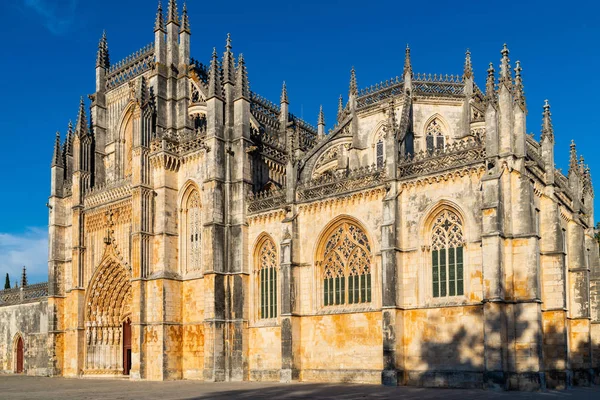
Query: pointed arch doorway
(19, 350)
(108, 320)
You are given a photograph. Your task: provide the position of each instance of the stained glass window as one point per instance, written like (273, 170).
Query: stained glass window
(267, 279)
(447, 255)
(347, 266)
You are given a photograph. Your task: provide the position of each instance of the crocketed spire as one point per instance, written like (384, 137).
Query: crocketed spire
(505, 74)
(81, 126)
(172, 13)
(102, 59)
(340, 109)
(519, 92)
(284, 95)
(490, 85)
(468, 71)
(547, 129)
(353, 88)
(228, 63)
(68, 146)
(159, 23)
(242, 88)
(215, 88)
(407, 63)
(24, 277)
(573, 167)
(57, 160)
(321, 116)
(185, 21)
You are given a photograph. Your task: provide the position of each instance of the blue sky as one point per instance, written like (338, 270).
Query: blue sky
(48, 58)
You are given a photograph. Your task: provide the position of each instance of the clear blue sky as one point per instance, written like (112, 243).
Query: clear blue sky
(49, 47)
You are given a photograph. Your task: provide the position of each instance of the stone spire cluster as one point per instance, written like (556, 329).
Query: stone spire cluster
(172, 16)
(228, 63)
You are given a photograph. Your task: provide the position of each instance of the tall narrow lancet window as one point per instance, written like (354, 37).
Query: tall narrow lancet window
(379, 151)
(434, 136)
(447, 259)
(346, 265)
(194, 232)
(266, 270)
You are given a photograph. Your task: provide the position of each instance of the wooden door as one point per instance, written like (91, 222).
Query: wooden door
(126, 347)
(19, 356)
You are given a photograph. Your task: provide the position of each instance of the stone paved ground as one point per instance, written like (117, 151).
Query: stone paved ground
(32, 388)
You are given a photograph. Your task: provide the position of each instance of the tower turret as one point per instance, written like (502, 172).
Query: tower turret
(505, 106)
(352, 91)
(519, 114)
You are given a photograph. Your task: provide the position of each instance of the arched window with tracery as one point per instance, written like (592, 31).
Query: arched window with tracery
(434, 136)
(447, 260)
(266, 271)
(193, 232)
(379, 153)
(345, 259)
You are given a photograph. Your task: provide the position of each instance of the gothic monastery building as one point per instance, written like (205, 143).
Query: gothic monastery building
(200, 231)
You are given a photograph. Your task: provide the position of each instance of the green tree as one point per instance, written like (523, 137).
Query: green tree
(7, 282)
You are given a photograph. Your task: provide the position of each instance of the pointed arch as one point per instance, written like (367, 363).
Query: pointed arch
(108, 304)
(444, 230)
(436, 131)
(266, 273)
(190, 228)
(18, 346)
(377, 142)
(127, 127)
(344, 261)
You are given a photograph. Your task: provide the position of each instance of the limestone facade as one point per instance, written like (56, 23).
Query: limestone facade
(199, 231)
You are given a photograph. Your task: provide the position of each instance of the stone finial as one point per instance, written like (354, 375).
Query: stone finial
(81, 126)
(159, 23)
(468, 70)
(581, 165)
(57, 160)
(407, 63)
(353, 87)
(242, 88)
(102, 59)
(284, 95)
(228, 63)
(215, 88)
(172, 13)
(24, 277)
(321, 116)
(519, 91)
(547, 129)
(340, 109)
(185, 21)
(490, 85)
(505, 74)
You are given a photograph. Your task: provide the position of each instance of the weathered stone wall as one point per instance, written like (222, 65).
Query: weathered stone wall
(30, 322)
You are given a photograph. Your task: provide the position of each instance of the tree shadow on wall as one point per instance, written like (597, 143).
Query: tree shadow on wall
(512, 338)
